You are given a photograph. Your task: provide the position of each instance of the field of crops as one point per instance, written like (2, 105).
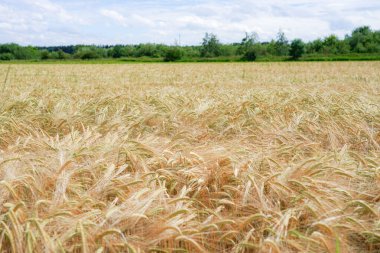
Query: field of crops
(227, 157)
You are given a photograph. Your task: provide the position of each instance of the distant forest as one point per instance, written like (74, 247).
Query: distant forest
(363, 41)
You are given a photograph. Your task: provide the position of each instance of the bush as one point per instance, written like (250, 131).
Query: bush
(6, 57)
(297, 49)
(87, 53)
(250, 55)
(149, 50)
(117, 51)
(173, 54)
(62, 55)
(211, 47)
(281, 45)
(45, 55)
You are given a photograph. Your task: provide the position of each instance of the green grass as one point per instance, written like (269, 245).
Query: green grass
(79, 61)
(345, 57)
(271, 58)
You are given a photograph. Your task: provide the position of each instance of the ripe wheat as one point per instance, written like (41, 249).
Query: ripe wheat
(271, 157)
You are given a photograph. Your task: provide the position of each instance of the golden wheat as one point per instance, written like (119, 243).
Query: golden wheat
(269, 157)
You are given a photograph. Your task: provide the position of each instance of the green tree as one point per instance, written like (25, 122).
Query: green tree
(149, 50)
(270, 47)
(281, 44)
(227, 50)
(330, 44)
(211, 46)
(191, 51)
(343, 47)
(249, 47)
(53, 55)
(19, 52)
(315, 46)
(62, 55)
(364, 40)
(125, 51)
(45, 55)
(117, 51)
(88, 52)
(9, 48)
(6, 56)
(297, 49)
(247, 43)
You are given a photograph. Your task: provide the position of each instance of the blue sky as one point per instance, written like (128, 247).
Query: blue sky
(61, 22)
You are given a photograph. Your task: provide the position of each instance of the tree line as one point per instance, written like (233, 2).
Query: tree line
(362, 40)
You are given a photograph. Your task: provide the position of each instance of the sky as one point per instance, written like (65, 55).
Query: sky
(64, 22)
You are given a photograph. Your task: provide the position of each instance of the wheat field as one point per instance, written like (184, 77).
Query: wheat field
(226, 157)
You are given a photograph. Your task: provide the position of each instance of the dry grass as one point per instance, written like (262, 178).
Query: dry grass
(281, 157)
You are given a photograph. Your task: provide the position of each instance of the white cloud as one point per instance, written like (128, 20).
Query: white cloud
(45, 22)
(46, 6)
(132, 20)
(116, 16)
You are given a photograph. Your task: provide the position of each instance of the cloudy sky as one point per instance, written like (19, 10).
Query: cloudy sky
(61, 22)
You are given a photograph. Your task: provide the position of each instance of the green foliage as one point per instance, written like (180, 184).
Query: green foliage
(191, 51)
(6, 56)
(117, 51)
(281, 46)
(88, 52)
(62, 55)
(173, 54)
(247, 43)
(19, 52)
(27, 53)
(297, 49)
(362, 40)
(8, 48)
(249, 47)
(211, 46)
(54, 55)
(227, 50)
(150, 50)
(315, 46)
(330, 44)
(45, 55)
(343, 47)
(250, 55)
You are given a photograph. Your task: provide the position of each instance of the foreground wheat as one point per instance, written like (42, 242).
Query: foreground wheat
(190, 158)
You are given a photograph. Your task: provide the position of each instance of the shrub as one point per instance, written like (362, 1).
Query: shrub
(6, 57)
(149, 50)
(62, 55)
(86, 53)
(297, 49)
(250, 55)
(173, 54)
(211, 47)
(89, 55)
(117, 51)
(281, 45)
(44, 55)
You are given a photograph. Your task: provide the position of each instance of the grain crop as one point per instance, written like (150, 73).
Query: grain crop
(207, 157)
